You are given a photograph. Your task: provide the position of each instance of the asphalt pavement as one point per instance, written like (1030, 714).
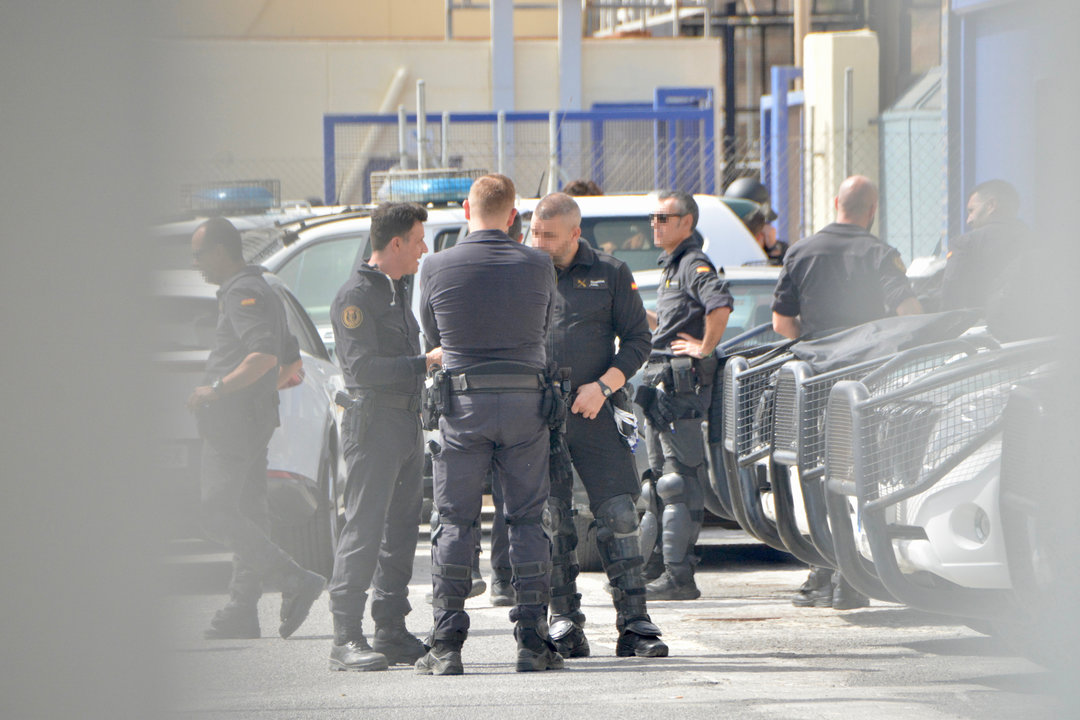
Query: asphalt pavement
(741, 650)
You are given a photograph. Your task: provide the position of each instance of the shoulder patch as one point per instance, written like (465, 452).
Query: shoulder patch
(352, 317)
(703, 269)
(247, 302)
(633, 285)
(899, 264)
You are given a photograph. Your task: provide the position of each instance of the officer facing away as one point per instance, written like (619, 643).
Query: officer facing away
(378, 344)
(977, 260)
(597, 303)
(838, 278)
(692, 309)
(487, 302)
(237, 410)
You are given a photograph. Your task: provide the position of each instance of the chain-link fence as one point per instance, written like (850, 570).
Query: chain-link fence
(907, 160)
(622, 151)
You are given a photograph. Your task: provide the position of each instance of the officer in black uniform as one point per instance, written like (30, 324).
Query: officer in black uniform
(378, 344)
(692, 309)
(597, 303)
(758, 218)
(978, 260)
(487, 302)
(838, 278)
(237, 410)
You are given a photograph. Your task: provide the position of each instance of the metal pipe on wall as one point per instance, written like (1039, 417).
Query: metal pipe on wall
(849, 118)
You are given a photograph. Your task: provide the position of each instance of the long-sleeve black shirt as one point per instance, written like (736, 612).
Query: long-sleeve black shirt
(597, 302)
(376, 335)
(488, 298)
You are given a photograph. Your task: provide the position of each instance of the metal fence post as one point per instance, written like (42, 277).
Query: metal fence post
(403, 153)
(421, 125)
(445, 139)
(849, 118)
(553, 151)
(500, 142)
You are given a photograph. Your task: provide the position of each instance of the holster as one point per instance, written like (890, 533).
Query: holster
(435, 399)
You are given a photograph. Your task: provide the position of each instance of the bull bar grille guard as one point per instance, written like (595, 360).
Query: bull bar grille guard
(887, 448)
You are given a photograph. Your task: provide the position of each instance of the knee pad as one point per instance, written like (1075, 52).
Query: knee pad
(673, 488)
(617, 515)
(558, 523)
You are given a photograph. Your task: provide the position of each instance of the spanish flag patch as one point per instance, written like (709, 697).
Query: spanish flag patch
(702, 268)
(247, 302)
(633, 286)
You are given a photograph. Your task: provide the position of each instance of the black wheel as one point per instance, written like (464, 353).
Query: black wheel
(311, 544)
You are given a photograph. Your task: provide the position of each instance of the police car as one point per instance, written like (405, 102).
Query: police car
(304, 461)
(619, 226)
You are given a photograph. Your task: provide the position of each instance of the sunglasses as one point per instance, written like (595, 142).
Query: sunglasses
(661, 218)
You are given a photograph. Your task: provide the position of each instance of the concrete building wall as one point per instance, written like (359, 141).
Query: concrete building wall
(352, 19)
(257, 105)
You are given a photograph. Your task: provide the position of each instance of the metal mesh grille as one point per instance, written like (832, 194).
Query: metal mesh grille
(812, 413)
(754, 396)
(730, 386)
(894, 376)
(785, 427)
(911, 441)
(838, 455)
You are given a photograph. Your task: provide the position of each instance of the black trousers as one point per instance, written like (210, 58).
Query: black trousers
(235, 434)
(383, 494)
(506, 429)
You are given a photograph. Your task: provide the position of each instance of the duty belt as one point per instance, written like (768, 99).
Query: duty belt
(394, 401)
(466, 383)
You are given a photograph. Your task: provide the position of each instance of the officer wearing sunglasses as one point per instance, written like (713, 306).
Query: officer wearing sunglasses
(692, 309)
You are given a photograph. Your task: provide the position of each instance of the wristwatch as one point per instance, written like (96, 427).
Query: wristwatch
(218, 386)
(604, 388)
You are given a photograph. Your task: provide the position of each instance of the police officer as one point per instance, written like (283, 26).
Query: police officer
(692, 309)
(758, 217)
(840, 277)
(487, 302)
(597, 303)
(378, 345)
(977, 260)
(237, 410)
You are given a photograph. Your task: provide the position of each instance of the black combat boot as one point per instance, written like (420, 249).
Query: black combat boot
(569, 636)
(444, 658)
(846, 597)
(817, 591)
(640, 638)
(299, 591)
(351, 650)
(234, 622)
(676, 583)
(502, 591)
(396, 642)
(535, 651)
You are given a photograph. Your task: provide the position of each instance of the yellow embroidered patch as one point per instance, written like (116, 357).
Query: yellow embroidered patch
(247, 302)
(351, 317)
(702, 268)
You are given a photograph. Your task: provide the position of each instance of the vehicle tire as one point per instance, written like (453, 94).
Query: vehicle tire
(311, 544)
(588, 556)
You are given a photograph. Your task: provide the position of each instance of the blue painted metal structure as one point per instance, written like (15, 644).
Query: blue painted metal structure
(775, 112)
(682, 115)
